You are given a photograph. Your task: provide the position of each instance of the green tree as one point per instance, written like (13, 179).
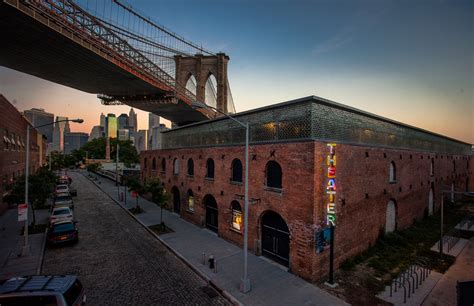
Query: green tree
(93, 167)
(158, 194)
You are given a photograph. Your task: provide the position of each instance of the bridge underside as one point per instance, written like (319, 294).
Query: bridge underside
(32, 47)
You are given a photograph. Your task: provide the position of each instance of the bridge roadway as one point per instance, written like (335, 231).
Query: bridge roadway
(119, 262)
(38, 47)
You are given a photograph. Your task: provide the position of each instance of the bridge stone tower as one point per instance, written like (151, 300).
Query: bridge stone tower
(201, 67)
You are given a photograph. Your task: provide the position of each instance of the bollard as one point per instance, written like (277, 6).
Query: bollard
(211, 261)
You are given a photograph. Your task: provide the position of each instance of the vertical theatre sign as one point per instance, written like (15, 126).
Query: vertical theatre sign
(331, 185)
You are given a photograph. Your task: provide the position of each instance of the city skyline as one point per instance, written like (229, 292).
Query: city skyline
(418, 72)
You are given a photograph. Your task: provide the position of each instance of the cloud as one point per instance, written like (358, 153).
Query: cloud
(342, 38)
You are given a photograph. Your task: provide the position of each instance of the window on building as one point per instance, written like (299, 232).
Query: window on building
(145, 163)
(190, 200)
(175, 166)
(393, 173)
(454, 165)
(153, 164)
(210, 168)
(236, 170)
(163, 165)
(236, 216)
(190, 167)
(273, 174)
(432, 167)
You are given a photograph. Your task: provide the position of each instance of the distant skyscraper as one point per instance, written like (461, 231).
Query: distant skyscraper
(102, 120)
(111, 126)
(58, 134)
(122, 121)
(123, 134)
(155, 138)
(74, 141)
(141, 140)
(153, 120)
(67, 127)
(96, 132)
(38, 116)
(132, 121)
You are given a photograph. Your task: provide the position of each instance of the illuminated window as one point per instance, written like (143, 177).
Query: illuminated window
(236, 215)
(210, 168)
(175, 166)
(190, 167)
(236, 171)
(163, 165)
(393, 173)
(190, 200)
(273, 175)
(153, 164)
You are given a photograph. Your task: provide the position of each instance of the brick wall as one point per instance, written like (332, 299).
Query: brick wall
(12, 157)
(363, 191)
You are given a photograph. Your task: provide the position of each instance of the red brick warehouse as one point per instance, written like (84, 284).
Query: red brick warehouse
(311, 161)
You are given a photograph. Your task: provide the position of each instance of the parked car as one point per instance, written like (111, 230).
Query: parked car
(62, 188)
(63, 200)
(63, 231)
(61, 214)
(42, 290)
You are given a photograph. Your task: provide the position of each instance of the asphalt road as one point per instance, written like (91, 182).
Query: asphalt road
(119, 262)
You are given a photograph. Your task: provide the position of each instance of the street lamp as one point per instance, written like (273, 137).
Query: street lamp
(245, 281)
(26, 246)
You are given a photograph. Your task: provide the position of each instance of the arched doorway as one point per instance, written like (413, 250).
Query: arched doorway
(275, 238)
(176, 200)
(430, 202)
(391, 217)
(211, 213)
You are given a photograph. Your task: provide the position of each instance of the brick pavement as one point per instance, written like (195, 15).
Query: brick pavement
(119, 262)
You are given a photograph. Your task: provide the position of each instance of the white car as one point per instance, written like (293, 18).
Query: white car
(62, 189)
(61, 214)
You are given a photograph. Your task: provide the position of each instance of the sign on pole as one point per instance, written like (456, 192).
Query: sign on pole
(22, 212)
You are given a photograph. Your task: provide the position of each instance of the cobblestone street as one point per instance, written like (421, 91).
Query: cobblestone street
(119, 262)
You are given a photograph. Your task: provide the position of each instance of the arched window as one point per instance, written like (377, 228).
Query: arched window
(391, 217)
(175, 166)
(236, 215)
(153, 164)
(236, 170)
(145, 163)
(210, 168)
(190, 200)
(432, 167)
(190, 167)
(393, 173)
(273, 174)
(163, 165)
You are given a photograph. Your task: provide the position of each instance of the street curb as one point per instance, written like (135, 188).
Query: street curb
(224, 293)
(43, 248)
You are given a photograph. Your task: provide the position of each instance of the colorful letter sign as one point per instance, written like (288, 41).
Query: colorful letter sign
(331, 185)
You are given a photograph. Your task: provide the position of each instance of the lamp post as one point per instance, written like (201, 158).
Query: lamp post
(26, 246)
(245, 281)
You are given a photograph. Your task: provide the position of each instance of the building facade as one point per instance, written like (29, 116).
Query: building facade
(38, 116)
(13, 127)
(312, 163)
(96, 132)
(58, 133)
(74, 141)
(111, 126)
(141, 140)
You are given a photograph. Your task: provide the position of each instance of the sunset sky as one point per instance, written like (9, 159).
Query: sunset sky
(411, 61)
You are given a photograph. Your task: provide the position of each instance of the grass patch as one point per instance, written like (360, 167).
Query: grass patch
(161, 229)
(136, 210)
(394, 252)
(34, 229)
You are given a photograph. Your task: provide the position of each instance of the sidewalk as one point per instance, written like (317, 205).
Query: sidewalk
(11, 243)
(271, 285)
(463, 269)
